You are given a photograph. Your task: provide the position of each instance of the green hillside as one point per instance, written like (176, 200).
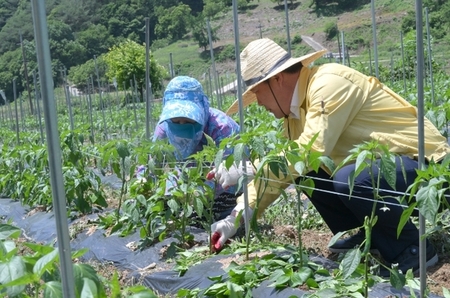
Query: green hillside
(267, 19)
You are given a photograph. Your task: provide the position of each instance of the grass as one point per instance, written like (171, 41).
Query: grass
(186, 57)
(189, 59)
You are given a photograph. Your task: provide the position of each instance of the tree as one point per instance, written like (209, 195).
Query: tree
(212, 7)
(10, 64)
(64, 49)
(126, 62)
(173, 22)
(80, 74)
(96, 40)
(200, 32)
(79, 15)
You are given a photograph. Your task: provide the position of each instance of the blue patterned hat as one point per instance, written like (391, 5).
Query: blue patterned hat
(184, 97)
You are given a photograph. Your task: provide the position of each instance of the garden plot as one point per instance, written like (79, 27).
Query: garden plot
(165, 276)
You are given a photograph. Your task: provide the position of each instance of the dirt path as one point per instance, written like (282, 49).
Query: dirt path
(313, 43)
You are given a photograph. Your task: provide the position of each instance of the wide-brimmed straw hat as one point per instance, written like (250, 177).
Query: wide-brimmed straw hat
(261, 59)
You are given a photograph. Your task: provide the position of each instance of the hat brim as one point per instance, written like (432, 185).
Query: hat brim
(249, 97)
(182, 108)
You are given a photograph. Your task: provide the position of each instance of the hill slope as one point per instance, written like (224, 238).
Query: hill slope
(267, 19)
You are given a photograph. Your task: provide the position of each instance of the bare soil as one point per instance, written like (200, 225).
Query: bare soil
(317, 242)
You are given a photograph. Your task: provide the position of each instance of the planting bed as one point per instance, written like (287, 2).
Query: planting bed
(149, 266)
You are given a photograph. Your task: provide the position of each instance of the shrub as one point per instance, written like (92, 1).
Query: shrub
(297, 39)
(331, 30)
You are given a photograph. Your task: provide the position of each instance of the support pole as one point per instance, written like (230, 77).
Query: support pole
(421, 146)
(53, 144)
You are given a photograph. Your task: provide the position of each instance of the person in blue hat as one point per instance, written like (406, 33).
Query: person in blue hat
(185, 121)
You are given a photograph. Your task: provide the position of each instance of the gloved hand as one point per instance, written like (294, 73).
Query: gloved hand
(139, 174)
(229, 177)
(223, 229)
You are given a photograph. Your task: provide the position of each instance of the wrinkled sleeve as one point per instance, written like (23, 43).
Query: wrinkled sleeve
(159, 133)
(334, 100)
(331, 101)
(221, 126)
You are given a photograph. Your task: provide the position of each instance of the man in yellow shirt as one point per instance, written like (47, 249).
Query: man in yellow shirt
(344, 108)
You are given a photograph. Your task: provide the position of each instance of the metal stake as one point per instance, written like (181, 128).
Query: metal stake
(53, 144)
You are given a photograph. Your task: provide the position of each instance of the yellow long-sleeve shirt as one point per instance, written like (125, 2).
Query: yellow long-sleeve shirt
(345, 108)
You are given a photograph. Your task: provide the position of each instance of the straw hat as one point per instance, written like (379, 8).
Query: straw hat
(262, 59)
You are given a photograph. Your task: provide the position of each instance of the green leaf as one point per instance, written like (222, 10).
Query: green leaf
(361, 160)
(116, 227)
(141, 290)
(25, 279)
(79, 253)
(81, 271)
(115, 286)
(330, 292)
(350, 262)
(405, 217)
(388, 170)
(11, 271)
(89, 289)
(122, 150)
(40, 249)
(336, 237)
(8, 231)
(312, 283)
(301, 276)
(238, 152)
(173, 205)
(116, 168)
(219, 158)
(427, 202)
(7, 249)
(397, 280)
(44, 263)
(53, 289)
(328, 162)
(279, 278)
(198, 206)
(142, 233)
(446, 292)
(144, 294)
(300, 167)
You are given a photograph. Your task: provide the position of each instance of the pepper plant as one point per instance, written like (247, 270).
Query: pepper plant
(38, 274)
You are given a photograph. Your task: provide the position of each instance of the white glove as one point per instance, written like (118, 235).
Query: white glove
(223, 229)
(229, 177)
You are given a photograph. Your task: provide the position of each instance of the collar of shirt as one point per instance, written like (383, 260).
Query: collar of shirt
(295, 104)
